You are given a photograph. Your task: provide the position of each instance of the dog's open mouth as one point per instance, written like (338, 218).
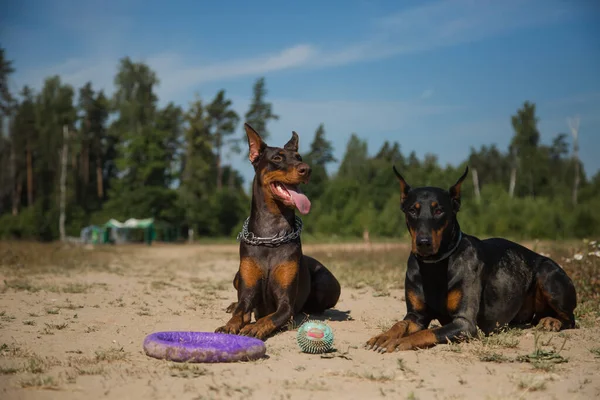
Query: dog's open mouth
(292, 196)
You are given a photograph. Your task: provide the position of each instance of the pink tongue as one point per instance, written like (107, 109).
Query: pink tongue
(300, 200)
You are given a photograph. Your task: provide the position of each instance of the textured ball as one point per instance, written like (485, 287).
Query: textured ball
(315, 337)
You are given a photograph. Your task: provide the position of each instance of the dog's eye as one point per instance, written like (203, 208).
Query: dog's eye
(413, 212)
(277, 159)
(298, 157)
(438, 212)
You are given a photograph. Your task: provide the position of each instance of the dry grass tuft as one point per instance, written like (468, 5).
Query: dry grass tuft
(380, 270)
(24, 258)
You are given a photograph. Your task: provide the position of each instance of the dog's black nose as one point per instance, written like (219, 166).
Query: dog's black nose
(423, 242)
(303, 170)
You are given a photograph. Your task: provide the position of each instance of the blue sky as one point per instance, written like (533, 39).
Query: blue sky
(436, 76)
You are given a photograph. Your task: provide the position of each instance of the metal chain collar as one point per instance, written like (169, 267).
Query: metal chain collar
(274, 241)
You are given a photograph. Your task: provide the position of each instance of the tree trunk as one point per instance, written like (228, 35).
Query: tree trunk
(476, 185)
(13, 178)
(231, 179)
(3, 183)
(219, 171)
(513, 182)
(99, 174)
(74, 162)
(99, 178)
(63, 184)
(187, 162)
(17, 198)
(576, 161)
(86, 164)
(574, 126)
(219, 145)
(29, 176)
(576, 181)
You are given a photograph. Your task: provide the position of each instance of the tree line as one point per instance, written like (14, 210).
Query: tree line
(128, 157)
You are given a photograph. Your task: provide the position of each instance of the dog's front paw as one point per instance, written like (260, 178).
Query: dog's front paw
(550, 324)
(381, 342)
(386, 343)
(260, 330)
(227, 329)
(232, 327)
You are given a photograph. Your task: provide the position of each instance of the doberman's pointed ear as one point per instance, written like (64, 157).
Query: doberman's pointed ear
(404, 187)
(292, 144)
(255, 143)
(455, 190)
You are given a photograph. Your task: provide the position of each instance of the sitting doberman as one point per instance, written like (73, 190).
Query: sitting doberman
(275, 280)
(465, 282)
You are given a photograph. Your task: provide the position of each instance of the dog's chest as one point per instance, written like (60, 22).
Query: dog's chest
(271, 257)
(435, 290)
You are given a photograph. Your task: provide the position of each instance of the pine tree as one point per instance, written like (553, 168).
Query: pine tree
(197, 169)
(222, 121)
(26, 137)
(95, 110)
(54, 111)
(86, 105)
(135, 102)
(6, 98)
(260, 112)
(320, 154)
(7, 151)
(524, 146)
(145, 136)
(354, 163)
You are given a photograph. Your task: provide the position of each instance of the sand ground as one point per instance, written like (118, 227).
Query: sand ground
(78, 333)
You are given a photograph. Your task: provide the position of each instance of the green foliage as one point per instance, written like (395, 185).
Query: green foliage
(37, 222)
(197, 169)
(6, 98)
(94, 149)
(365, 196)
(168, 163)
(320, 154)
(354, 163)
(222, 121)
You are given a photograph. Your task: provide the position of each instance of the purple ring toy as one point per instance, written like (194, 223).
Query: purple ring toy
(203, 347)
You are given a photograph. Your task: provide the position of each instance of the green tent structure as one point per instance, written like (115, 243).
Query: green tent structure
(153, 230)
(92, 234)
(122, 229)
(132, 230)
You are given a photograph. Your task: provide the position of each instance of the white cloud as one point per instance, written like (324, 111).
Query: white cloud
(576, 99)
(421, 28)
(444, 23)
(76, 72)
(452, 22)
(176, 75)
(427, 93)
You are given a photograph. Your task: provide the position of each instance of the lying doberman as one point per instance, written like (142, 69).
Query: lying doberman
(275, 280)
(465, 282)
